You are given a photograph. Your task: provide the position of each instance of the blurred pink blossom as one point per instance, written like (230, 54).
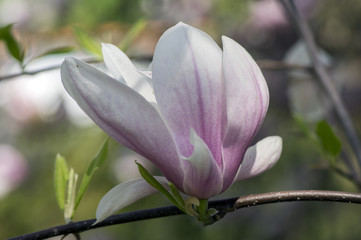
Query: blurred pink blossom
(13, 169)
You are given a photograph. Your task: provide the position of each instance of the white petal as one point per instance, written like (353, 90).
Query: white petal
(120, 65)
(124, 70)
(125, 194)
(260, 157)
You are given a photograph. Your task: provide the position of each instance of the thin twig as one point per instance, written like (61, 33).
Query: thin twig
(45, 69)
(324, 77)
(223, 206)
(264, 64)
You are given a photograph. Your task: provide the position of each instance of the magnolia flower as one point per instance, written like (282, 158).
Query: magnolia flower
(208, 105)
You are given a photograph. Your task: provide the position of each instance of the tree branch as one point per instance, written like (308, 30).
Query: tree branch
(324, 78)
(223, 206)
(264, 64)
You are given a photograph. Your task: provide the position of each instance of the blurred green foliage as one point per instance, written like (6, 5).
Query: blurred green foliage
(338, 27)
(92, 12)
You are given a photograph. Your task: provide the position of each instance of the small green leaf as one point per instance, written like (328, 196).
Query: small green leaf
(70, 202)
(176, 194)
(330, 142)
(59, 50)
(12, 45)
(154, 183)
(132, 33)
(87, 42)
(61, 175)
(96, 162)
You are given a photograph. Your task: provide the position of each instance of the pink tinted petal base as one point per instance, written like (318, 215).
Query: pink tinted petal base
(203, 178)
(260, 157)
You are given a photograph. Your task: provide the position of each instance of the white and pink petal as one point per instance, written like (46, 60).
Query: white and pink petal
(202, 175)
(260, 157)
(187, 81)
(247, 99)
(123, 114)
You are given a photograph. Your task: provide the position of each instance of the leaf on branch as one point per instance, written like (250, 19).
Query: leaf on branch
(176, 194)
(87, 42)
(96, 162)
(12, 45)
(69, 205)
(132, 33)
(61, 175)
(58, 50)
(157, 185)
(330, 142)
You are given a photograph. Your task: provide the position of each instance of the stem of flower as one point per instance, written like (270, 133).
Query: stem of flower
(202, 209)
(203, 212)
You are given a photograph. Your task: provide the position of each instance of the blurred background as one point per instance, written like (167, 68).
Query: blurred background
(39, 120)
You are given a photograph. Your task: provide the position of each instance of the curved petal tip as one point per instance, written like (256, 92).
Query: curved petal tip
(260, 157)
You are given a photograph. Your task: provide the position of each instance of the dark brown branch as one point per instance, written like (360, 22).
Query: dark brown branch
(223, 206)
(302, 195)
(324, 78)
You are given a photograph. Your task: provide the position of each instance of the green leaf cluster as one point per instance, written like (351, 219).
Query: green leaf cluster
(192, 206)
(65, 182)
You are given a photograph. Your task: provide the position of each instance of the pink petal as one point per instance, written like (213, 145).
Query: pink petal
(260, 157)
(203, 178)
(124, 114)
(187, 81)
(125, 194)
(247, 102)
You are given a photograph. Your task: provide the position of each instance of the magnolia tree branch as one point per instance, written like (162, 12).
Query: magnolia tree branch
(223, 206)
(264, 64)
(41, 70)
(323, 77)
